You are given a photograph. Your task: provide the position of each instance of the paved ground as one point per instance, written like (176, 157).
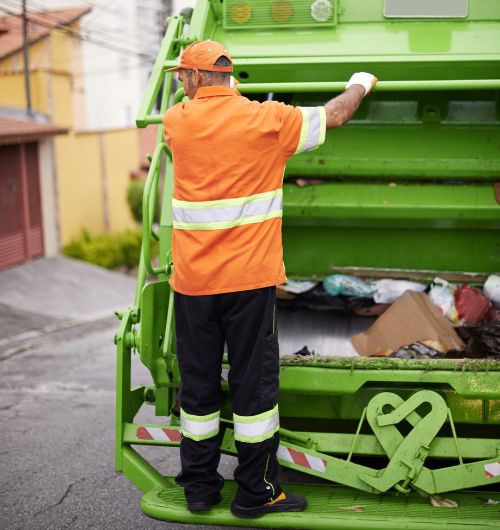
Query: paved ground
(57, 403)
(63, 288)
(57, 396)
(56, 454)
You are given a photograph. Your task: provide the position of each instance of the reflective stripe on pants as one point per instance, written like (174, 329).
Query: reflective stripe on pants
(199, 427)
(254, 429)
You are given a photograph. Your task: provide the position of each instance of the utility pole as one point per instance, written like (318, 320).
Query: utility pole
(26, 61)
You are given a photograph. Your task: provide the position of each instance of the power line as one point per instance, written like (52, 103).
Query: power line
(27, 85)
(112, 69)
(105, 71)
(101, 7)
(142, 63)
(56, 21)
(125, 30)
(105, 32)
(99, 71)
(75, 35)
(102, 70)
(143, 44)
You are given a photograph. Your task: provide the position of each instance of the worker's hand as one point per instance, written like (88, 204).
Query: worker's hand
(366, 80)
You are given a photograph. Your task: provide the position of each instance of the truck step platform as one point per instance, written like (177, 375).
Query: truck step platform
(337, 508)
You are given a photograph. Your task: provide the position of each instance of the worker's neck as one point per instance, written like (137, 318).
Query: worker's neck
(225, 83)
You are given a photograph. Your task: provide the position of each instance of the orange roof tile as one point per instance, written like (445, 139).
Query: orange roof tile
(23, 131)
(40, 25)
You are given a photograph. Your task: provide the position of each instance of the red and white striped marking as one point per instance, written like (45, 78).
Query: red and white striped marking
(157, 433)
(301, 459)
(492, 470)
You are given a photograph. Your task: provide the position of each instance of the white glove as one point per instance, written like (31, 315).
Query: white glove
(366, 80)
(233, 83)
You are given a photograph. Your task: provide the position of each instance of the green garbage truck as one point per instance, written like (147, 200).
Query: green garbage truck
(410, 188)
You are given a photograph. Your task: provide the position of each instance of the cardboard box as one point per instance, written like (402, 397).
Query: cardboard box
(411, 318)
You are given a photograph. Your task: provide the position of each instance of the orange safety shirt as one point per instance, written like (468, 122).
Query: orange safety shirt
(229, 155)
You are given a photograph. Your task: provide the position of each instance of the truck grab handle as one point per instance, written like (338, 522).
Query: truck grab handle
(381, 86)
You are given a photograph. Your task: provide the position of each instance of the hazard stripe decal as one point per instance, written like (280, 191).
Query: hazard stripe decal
(286, 454)
(492, 470)
(301, 459)
(156, 433)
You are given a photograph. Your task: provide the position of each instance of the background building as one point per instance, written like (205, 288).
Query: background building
(30, 190)
(118, 41)
(89, 62)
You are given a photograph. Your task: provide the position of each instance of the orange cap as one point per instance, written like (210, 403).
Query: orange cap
(202, 56)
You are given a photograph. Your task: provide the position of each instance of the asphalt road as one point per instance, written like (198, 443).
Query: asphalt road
(56, 441)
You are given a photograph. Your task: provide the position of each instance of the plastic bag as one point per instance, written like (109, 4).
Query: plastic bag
(472, 306)
(492, 289)
(441, 294)
(347, 285)
(388, 291)
(298, 286)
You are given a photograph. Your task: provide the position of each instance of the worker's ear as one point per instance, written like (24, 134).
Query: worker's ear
(195, 77)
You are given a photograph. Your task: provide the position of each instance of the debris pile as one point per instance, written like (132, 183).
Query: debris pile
(415, 320)
(412, 321)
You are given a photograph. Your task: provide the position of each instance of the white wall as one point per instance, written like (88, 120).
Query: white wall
(48, 197)
(113, 78)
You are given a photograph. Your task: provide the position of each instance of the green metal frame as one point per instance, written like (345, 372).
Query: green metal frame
(406, 455)
(342, 412)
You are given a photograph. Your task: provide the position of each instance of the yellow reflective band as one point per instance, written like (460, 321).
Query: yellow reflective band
(199, 427)
(254, 429)
(220, 225)
(227, 213)
(322, 126)
(313, 130)
(203, 205)
(303, 131)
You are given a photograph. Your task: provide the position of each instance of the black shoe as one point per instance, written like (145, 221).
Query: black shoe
(205, 504)
(288, 502)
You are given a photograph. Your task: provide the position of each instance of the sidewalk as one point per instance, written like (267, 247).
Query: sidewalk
(51, 291)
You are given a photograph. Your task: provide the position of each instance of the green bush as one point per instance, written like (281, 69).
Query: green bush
(130, 244)
(135, 191)
(104, 251)
(109, 250)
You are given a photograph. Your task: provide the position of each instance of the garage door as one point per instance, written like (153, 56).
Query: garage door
(21, 231)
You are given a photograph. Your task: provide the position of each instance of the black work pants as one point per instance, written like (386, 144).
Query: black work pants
(246, 322)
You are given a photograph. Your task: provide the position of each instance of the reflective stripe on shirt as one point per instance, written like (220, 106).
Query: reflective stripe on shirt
(254, 429)
(227, 213)
(199, 427)
(313, 131)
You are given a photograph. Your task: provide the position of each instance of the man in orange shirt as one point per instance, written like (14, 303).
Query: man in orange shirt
(229, 155)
